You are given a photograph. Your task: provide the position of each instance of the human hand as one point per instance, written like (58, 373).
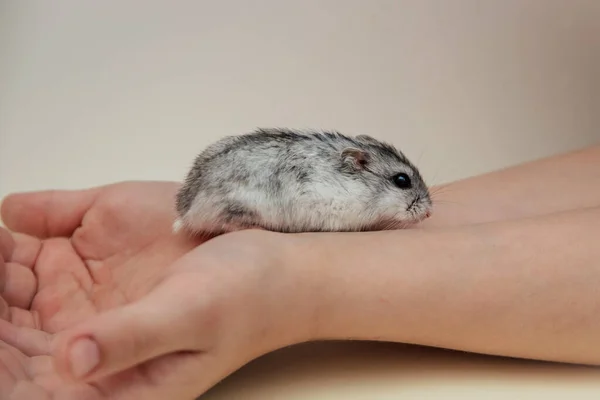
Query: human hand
(80, 252)
(77, 253)
(10, 358)
(231, 275)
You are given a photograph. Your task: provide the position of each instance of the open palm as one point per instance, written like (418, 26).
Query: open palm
(73, 255)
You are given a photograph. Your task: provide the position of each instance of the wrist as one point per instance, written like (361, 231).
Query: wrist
(265, 298)
(356, 284)
(294, 290)
(335, 283)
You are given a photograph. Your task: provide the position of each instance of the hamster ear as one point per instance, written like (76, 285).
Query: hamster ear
(355, 159)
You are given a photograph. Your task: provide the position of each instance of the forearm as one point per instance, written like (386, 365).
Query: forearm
(528, 288)
(564, 182)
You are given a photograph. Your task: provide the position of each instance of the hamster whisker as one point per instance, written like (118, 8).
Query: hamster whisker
(435, 191)
(437, 202)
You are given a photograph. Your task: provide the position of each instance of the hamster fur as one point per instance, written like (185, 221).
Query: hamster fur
(293, 181)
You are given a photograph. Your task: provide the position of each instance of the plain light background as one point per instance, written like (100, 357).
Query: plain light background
(93, 92)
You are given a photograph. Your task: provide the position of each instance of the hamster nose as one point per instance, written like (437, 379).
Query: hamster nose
(427, 213)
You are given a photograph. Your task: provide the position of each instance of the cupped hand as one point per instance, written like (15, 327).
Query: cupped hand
(76, 253)
(102, 293)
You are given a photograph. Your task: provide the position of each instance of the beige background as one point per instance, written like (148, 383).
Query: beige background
(93, 92)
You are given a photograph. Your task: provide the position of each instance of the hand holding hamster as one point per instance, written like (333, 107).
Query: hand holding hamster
(291, 181)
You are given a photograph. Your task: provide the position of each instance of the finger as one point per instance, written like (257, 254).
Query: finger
(47, 213)
(23, 318)
(7, 381)
(13, 359)
(58, 257)
(31, 342)
(7, 244)
(19, 286)
(25, 390)
(27, 249)
(4, 309)
(158, 324)
(2, 274)
(41, 366)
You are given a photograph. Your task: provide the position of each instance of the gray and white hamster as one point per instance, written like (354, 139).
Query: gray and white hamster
(286, 180)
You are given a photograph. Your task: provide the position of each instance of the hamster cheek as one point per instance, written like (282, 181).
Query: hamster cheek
(394, 206)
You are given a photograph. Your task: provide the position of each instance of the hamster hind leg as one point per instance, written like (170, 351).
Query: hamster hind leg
(235, 216)
(215, 219)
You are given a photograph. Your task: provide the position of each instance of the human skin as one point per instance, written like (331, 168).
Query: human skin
(522, 288)
(506, 279)
(563, 182)
(111, 249)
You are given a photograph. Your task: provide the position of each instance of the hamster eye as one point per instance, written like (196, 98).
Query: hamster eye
(402, 180)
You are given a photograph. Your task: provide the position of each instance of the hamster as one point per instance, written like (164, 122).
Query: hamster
(293, 181)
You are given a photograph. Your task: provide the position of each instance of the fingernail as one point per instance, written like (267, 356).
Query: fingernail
(84, 356)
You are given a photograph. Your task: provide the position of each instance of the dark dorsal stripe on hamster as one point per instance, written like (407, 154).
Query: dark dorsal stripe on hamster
(327, 137)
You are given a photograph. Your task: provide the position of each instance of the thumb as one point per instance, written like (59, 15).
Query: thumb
(47, 213)
(160, 323)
